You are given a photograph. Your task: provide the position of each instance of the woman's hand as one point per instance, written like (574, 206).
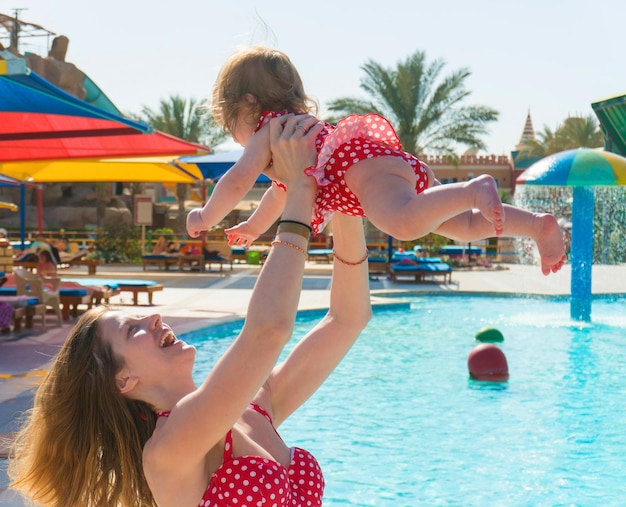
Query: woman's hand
(292, 142)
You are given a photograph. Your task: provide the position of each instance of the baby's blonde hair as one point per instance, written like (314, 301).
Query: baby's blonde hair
(255, 80)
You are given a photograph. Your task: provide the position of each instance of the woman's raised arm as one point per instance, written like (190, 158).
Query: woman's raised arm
(201, 418)
(323, 348)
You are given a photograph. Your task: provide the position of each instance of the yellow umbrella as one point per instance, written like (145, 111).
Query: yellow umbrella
(135, 169)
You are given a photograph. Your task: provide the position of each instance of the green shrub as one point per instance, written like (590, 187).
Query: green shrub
(120, 243)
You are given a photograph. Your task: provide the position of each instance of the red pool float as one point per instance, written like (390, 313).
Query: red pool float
(488, 362)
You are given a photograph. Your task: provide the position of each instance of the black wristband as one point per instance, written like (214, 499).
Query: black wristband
(298, 223)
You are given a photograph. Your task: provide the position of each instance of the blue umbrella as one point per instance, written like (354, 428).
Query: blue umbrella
(215, 165)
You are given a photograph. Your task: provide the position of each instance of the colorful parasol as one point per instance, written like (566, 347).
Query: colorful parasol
(579, 167)
(131, 169)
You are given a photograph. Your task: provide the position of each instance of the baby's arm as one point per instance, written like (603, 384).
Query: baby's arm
(270, 208)
(233, 186)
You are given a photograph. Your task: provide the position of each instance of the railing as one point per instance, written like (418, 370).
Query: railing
(467, 160)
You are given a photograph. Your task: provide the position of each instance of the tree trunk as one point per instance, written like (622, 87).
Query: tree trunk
(181, 195)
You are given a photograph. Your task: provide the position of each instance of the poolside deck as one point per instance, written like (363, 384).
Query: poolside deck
(192, 301)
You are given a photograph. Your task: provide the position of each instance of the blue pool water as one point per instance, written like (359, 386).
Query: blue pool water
(399, 423)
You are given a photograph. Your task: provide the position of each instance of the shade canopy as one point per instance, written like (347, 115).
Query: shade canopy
(7, 181)
(39, 121)
(59, 139)
(24, 91)
(611, 113)
(144, 169)
(578, 167)
(214, 165)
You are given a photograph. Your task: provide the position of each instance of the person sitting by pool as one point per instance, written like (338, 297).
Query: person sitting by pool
(46, 267)
(41, 243)
(162, 247)
(120, 421)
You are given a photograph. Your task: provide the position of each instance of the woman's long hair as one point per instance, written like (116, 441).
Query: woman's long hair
(82, 442)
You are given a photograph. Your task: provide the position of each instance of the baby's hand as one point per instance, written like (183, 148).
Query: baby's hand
(195, 224)
(241, 235)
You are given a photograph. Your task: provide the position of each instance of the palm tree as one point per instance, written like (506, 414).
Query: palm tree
(186, 119)
(177, 116)
(426, 109)
(581, 132)
(574, 132)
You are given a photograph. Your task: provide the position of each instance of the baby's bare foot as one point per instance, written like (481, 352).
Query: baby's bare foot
(487, 200)
(549, 239)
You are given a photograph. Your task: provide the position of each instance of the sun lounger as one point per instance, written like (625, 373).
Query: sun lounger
(24, 307)
(163, 261)
(119, 285)
(139, 286)
(453, 251)
(239, 253)
(378, 263)
(218, 253)
(78, 259)
(320, 254)
(420, 269)
(91, 264)
(71, 298)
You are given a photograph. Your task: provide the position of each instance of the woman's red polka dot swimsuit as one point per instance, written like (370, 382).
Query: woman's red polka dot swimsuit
(251, 481)
(355, 138)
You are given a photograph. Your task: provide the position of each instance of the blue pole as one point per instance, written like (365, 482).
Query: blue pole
(582, 253)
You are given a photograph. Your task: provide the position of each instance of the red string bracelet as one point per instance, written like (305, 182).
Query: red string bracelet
(343, 261)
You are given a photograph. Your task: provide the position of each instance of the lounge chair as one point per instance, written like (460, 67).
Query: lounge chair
(121, 285)
(420, 268)
(218, 253)
(24, 307)
(378, 262)
(29, 284)
(80, 259)
(163, 261)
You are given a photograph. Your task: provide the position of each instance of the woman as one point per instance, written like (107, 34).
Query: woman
(46, 267)
(119, 420)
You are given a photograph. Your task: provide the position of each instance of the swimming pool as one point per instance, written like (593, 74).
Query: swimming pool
(399, 423)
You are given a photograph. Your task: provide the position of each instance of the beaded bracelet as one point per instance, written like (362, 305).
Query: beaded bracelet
(291, 245)
(299, 228)
(343, 261)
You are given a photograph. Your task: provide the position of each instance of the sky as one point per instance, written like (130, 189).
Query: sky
(550, 57)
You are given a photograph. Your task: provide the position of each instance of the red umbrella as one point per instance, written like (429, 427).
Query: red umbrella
(40, 136)
(39, 121)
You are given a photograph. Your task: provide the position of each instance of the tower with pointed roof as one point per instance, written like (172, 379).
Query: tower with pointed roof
(528, 134)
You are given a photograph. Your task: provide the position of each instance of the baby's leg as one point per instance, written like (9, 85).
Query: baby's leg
(385, 187)
(541, 227)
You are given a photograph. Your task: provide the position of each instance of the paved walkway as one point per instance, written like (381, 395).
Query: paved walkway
(192, 301)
